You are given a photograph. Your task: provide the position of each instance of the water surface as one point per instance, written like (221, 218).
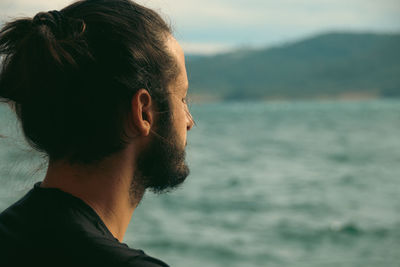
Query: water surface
(272, 184)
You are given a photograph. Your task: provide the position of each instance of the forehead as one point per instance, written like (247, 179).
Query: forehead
(181, 82)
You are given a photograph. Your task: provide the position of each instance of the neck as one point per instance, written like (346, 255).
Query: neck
(106, 187)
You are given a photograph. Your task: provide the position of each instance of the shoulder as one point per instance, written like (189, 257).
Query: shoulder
(84, 252)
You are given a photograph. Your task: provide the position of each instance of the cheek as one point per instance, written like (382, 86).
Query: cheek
(180, 124)
(179, 121)
(179, 117)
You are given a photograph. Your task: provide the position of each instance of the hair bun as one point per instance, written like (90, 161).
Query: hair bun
(53, 19)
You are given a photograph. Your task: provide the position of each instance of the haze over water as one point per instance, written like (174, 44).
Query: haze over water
(272, 184)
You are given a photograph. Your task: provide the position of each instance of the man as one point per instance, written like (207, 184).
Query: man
(100, 88)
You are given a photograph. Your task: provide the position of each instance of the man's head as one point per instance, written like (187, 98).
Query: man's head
(73, 77)
(161, 166)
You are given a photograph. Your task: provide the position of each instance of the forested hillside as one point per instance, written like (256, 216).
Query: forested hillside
(327, 65)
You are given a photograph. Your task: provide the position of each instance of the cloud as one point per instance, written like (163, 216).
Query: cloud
(213, 13)
(212, 24)
(206, 48)
(257, 22)
(17, 8)
(250, 12)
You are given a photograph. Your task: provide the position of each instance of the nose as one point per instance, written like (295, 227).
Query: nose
(190, 121)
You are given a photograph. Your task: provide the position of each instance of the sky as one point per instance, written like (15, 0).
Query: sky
(214, 26)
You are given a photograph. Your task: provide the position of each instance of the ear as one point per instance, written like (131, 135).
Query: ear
(142, 112)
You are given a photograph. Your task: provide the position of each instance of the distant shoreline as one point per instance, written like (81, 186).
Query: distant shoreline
(345, 96)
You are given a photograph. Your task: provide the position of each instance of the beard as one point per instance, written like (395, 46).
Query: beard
(161, 168)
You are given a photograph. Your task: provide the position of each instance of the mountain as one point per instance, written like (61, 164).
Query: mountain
(328, 65)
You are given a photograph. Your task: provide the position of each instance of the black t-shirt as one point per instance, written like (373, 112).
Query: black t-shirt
(49, 227)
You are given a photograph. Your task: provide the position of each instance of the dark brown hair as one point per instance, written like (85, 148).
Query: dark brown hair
(71, 74)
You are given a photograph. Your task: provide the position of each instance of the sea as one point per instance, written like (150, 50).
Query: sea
(303, 183)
